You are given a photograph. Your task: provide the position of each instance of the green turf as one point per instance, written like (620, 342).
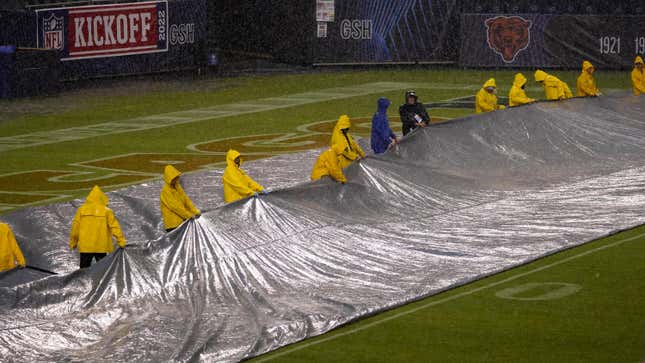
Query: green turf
(94, 106)
(603, 322)
(128, 99)
(90, 107)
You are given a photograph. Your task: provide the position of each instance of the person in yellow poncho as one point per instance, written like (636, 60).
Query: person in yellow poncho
(638, 76)
(586, 84)
(328, 164)
(554, 88)
(517, 96)
(340, 136)
(10, 254)
(93, 227)
(238, 185)
(176, 207)
(486, 99)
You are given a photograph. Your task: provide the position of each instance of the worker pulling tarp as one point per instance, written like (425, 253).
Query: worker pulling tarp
(450, 204)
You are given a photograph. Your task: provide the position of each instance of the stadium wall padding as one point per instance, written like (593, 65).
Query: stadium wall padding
(28, 72)
(549, 40)
(389, 31)
(276, 29)
(370, 31)
(17, 28)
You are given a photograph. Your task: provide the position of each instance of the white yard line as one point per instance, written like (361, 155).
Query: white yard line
(446, 299)
(208, 113)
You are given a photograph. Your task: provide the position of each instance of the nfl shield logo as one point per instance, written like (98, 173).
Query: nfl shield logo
(53, 32)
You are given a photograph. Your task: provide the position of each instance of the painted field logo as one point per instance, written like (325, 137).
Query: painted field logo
(106, 30)
(53, 32)
(508, 36)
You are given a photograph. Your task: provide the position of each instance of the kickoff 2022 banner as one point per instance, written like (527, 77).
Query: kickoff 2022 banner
(104, 30)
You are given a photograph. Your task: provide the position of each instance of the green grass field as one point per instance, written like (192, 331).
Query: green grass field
(582, 305)
(116, 134)
(156, 119)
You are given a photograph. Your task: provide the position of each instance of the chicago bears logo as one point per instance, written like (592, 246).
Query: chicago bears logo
(508, 36)
(53, 32)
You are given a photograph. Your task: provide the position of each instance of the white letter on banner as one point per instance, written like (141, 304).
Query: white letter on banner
(161, 24)
(345, 29)
(108, 22)
(79, 40)
(145, 26)
(122, 29)
(90, 42)
(134, 27)
(98, 38)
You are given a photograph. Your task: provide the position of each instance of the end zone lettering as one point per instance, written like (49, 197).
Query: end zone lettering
(112, 30)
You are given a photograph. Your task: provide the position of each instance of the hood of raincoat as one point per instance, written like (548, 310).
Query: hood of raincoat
(639, 60)
(343, 123)
(490, 83)
(231, 155)
(383, 104)
(519, 80)
(170, 173)
(97, 196)
(586, 65)
(540, 75)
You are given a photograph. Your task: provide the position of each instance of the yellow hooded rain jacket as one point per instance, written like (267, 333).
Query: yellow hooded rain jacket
(518, 96)
(237, 185)
(94, 225)
(586, 84)
(328, 164)
(10, 254)
(486, 101)
(352, 150)
(638, 77)
(176, 207)
(554, 88)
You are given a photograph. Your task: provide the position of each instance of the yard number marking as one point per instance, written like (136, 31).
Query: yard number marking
(558, 290)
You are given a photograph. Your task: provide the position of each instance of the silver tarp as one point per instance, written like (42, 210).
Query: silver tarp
(455, 202)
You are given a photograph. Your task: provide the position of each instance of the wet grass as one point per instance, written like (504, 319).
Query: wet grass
(604, 321)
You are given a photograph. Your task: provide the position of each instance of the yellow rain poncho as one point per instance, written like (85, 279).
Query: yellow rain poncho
(554, 88)
(518, 96)
(237, 185)
(10, 254)
(486, 101)
(638, 76)
(586, 84)
(176, 207)
(328, 164)
(352, 150)
(94, 225)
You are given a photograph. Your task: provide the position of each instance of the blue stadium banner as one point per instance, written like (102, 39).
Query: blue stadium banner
(123, 38)
(104, 30)
(389, 31)
(540, 40)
